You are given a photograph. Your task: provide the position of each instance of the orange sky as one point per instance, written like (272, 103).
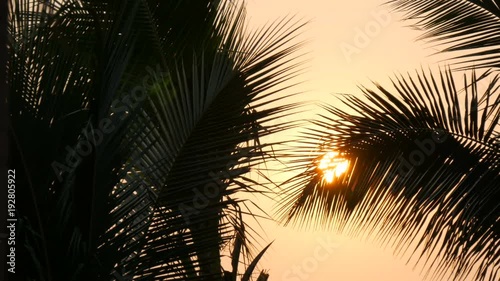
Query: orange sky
(339, 64)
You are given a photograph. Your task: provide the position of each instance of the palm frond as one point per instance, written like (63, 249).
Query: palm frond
(124, 153)
(204, 134)
(469, 28)
(424, 170)
(240, 246)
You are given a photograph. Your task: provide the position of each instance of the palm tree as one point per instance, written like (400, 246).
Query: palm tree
(133, 124)
(423, 158)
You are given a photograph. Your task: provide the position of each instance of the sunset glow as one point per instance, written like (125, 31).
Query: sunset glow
(333, 166)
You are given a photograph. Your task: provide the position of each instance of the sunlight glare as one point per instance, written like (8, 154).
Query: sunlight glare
(333, 166)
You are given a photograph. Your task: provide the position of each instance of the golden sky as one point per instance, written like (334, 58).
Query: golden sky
(350, 43)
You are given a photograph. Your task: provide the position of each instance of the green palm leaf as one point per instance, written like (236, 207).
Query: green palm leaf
(160, 138)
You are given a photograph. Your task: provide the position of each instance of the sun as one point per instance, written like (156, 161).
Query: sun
(333, 166)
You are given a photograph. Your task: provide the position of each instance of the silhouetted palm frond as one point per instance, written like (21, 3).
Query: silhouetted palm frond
(470, 28)
(424, 162)
(133, 129)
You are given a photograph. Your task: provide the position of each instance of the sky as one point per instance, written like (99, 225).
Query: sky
(350, 43)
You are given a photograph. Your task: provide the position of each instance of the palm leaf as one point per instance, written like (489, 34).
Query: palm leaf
(468, 28)
(124, 210)
(55, 93)
(424, 169)
(204, 134)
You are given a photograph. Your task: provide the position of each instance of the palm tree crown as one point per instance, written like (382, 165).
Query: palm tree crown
(147, 116)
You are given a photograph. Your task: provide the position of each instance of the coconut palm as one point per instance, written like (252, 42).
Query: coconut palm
(423, 158)
(133, 125)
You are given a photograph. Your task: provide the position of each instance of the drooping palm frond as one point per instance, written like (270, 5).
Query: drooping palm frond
(424, 162)
(470, 28)
(133, 168)
(203, 130)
